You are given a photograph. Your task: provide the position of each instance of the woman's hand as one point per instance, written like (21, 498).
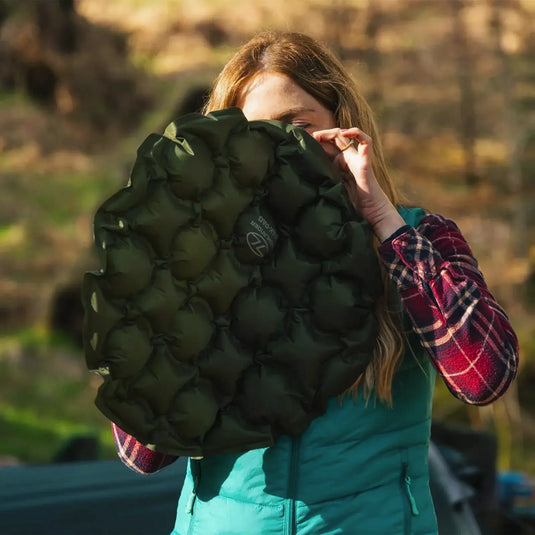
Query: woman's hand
(351, 151)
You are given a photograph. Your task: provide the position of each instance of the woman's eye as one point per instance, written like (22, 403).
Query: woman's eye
(301, 124)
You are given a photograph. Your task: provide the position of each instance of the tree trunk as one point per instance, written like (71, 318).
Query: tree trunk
(467, 108)
(515, 134)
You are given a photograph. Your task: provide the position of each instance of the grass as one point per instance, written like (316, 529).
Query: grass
(37, 440)
(60, 196)
(46, 398)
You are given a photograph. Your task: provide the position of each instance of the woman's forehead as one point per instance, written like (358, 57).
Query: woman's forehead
(273, 95)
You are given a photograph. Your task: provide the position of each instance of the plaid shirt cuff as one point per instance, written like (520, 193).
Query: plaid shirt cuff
(410, 257)
(136, 456)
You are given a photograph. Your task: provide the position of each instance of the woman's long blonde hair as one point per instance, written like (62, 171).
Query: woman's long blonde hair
(316, 70)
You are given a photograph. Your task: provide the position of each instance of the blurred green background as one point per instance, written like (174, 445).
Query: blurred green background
(82, 83)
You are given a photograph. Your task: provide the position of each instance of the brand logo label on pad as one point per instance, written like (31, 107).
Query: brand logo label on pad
(262, 239)
(257, 243)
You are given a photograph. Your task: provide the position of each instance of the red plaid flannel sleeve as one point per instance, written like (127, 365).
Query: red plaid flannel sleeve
(466, 333)
(137, 456)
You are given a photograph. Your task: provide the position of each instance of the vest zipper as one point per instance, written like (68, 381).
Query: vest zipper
(411, 509)
(195, 467)
(412, 501)
(292, 485)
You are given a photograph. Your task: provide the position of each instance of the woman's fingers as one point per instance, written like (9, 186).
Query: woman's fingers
(333, 138)
(350, 151)
(349, 148)
(342, 139)
(327, 139)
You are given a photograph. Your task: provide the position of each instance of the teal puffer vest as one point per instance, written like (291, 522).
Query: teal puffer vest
(361, 468)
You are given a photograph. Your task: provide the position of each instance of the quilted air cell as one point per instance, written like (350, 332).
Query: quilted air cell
(237, 288)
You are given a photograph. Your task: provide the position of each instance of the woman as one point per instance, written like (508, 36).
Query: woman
(361, 467)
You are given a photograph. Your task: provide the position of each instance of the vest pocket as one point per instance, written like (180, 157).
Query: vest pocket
(226, 516)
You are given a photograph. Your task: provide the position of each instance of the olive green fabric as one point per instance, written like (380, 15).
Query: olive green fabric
(237, 287)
